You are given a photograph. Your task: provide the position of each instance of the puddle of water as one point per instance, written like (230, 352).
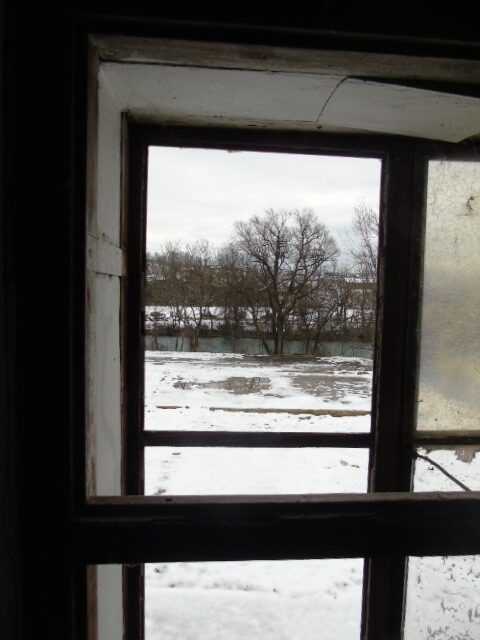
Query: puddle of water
(236, 384)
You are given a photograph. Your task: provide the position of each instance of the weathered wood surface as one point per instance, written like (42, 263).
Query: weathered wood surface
(254, 439)
(186, 528)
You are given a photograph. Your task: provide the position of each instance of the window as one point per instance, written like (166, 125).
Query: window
(248, 424)
(386, 525)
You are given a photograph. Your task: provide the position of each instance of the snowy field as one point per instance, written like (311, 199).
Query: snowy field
(204, 380)
(281, 600)
(284, 599)
(197, 383)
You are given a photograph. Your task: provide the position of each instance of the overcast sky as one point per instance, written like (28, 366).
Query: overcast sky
(200, 193)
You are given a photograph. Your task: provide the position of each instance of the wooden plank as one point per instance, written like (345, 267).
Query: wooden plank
(448, 438)
(118, 48)
(391, 454)
(141, 529)
(134, 601)
(104, 405)
(395, 372)
(215, 95)
(267, 439)
(354, 145)
(402, 109)
(104, 219)
(100, 507)
(384, 597)
(132, 306)
(104, 257)
(90, 587)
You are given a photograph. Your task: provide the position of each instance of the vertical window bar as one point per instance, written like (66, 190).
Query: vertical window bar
(391, 455)
(133, 353)
(133, 343)
(394, 389)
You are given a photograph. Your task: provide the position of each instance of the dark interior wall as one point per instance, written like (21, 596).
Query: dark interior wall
(9, 560)
(40, 415)
(39, 219)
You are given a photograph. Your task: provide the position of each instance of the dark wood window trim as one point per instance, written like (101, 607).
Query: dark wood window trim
(384, 526)
(64, 533)
(383, 530)
(140, 137)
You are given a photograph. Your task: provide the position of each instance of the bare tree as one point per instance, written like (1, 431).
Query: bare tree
(239, 279)
(230, 289)
(167, 285)
(199, 282)
(364, 252)
(364, 249)
(319, 311)
(285, 252)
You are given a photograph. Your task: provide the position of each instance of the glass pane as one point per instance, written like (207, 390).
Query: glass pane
(443, 600)
(461, 462)
(280, 600)
(233, 323)
(449, 385)
(223, 471)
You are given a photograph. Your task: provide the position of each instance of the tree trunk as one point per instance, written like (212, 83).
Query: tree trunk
(280, 337)
(306, 343)
(194, 340)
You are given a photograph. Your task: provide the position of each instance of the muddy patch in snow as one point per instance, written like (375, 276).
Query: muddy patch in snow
(235, 384)
(332, 388)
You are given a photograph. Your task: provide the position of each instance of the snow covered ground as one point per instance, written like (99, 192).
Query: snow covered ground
(284, 599)
(443, 597)
(222, 471)
(463, 463)
(205, 380)
(443, 601)
(281, 600)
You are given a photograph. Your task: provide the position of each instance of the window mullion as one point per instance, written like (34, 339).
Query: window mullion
(394, 389)
(133, 475)
(254, 439)
(133, 340)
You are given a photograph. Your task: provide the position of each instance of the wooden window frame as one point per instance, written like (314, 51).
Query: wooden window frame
(60, 532)
(385, 525)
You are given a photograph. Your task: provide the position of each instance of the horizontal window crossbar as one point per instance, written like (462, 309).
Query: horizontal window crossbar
(451, 438)
(254, 439)
(140, 529)
(354, 145)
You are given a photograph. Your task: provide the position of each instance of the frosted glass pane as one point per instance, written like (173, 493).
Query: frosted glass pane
(443, 599)
(232, 471)
(449, 384)
(461, 462)
(260, 600)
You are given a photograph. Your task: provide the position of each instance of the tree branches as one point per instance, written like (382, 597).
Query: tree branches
(278, 275)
